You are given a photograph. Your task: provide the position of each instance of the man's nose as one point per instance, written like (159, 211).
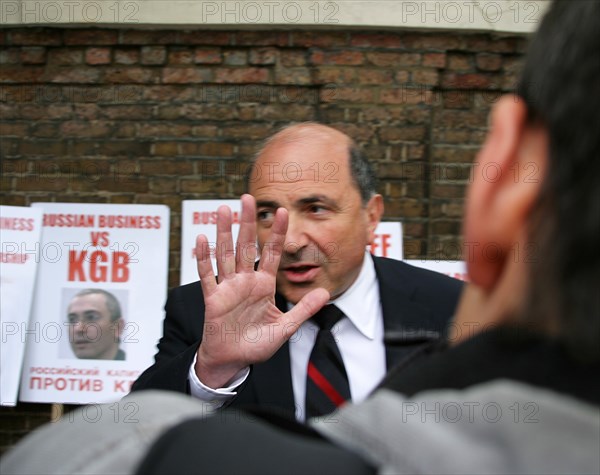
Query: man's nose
(296, 237)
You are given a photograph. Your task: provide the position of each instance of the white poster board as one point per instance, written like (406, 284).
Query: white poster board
(118, 249)
(200, 217)
(20, 231)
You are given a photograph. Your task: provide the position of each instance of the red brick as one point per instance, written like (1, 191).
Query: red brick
(187, 148)
(461, 99)
(12, 128)
(33, 55)
(85, 129)
(406, 133)
(73, 75)
(153, 55)
(205, 37)
(204, 131)
(127, 56)
(460, 62)
(378, 40)
(167, 149)
(186, 75)
(216, 149)
(299, 76)
(235, 57)
(324, 75)
(374, 76)
(442, 190)
(18, 74)
(45, 130)
(160, 130)
(450, 154)
(250, 131)
(65, 56)
(180, 56)
(90, 36)
(148, 37)
(170, 93)
(394, 59)
(434, 60)
(466, 81)
(204, 185)
(162, 185)
(262, 38)
(262, 56)
(488, 62)
(118, 183)
(427, 77)
(10, 56)
(318, 39)
(405, 95)
(405, 208)
(96, 56)
(166, 167)
(347, 94)
(289, 112)
(292, 57)
(125, 75)
(41, 183)
(432, 41)
(208, 56)
(35, 37)
(131, 112)
(504, 45)
(241, 75)
(347, 58)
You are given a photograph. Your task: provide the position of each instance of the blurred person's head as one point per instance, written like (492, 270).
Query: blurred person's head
(96, 324)
(536, 233)
(324, 181)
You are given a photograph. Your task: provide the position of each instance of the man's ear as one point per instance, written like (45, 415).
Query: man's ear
(374, 213)
(506, 180)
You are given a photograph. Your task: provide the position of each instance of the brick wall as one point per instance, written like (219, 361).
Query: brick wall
(136, 116)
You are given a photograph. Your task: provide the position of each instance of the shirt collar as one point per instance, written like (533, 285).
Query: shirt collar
(361, 298)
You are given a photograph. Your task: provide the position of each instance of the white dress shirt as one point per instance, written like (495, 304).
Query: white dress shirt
(359, 337)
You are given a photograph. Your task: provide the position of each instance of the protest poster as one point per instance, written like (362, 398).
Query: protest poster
(20, 230)
(388, 240)
(200, 217)
(98, 305)
(455, 269)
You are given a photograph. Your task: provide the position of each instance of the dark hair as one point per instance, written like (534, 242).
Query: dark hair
(560, 84)
(360, 168)
(112, 304)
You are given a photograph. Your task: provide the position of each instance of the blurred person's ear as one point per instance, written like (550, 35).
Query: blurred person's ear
(506, 181)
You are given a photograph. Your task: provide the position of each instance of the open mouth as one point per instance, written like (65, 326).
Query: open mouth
(301, 273)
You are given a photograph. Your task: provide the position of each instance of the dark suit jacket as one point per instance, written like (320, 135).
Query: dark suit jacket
(417, 305)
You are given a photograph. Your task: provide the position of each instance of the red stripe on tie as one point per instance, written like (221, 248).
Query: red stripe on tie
(324, 385)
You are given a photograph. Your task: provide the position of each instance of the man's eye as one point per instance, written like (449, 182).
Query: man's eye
(91, 318)
(317, 209)
(265, 215)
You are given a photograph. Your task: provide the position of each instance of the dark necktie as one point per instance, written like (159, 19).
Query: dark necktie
(327, 384)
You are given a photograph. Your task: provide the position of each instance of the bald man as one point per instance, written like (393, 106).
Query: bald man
(322, 180)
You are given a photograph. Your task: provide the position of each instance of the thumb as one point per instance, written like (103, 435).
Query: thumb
(310, 304)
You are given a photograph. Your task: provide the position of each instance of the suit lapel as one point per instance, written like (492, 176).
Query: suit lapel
(407, 324)
(272, 380)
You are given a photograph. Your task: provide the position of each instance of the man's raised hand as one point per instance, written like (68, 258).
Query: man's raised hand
(242, 325)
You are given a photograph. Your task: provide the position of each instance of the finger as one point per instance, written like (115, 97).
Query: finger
(310, 304)
(245, 253)
(224, 252)
(273, 247)
(204, 265)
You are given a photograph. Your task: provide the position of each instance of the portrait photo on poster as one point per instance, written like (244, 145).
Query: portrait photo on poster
(95, 322)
